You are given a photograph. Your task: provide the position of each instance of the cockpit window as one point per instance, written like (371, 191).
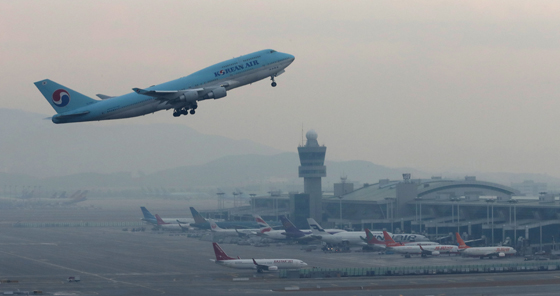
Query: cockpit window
(272, 51)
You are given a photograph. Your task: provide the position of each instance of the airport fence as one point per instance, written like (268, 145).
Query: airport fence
(419, 270)
(77, 224)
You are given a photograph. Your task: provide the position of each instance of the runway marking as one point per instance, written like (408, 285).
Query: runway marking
(84, 272)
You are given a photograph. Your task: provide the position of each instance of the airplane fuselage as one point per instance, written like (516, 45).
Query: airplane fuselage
(488, 251)
(249, 264)
(415, 249)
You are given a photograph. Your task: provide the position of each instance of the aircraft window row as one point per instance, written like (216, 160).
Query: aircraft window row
(251, 59)
(227, 66)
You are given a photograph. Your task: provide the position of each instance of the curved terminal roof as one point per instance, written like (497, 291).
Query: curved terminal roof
(429, 188)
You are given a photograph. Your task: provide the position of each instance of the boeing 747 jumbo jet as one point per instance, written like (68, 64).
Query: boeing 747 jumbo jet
(182, 94)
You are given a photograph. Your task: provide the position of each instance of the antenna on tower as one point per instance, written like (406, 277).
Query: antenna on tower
(302, 134)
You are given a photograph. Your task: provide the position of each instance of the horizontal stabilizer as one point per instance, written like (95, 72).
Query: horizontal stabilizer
(70, 115)
(104, 97)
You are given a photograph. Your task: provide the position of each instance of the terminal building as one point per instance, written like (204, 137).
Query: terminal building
(488, 212)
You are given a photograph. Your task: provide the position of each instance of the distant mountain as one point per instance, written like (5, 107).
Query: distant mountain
(36, 152)
(33, 146)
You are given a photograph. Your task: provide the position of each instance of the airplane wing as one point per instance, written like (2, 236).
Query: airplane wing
(69, 115)
(168, 95)
(261, 267)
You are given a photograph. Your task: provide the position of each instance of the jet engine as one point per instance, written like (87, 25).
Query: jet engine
(272, 268)
(501, 254)
(189, 96)
(435, 253)
(216, 93)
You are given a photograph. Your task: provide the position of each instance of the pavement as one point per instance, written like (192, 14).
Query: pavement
(111, 261)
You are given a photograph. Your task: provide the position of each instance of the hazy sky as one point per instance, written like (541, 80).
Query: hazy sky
(428, 84)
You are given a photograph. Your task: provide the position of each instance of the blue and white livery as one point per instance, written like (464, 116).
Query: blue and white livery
(182, 94)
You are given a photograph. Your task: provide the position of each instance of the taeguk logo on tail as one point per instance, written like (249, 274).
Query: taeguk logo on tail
(61, 97)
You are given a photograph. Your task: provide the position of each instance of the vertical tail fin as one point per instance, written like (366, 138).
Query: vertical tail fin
(160, 221)
(461, 242)
(198, 219)
(148, 217)
(213, 225)
(389, 242)
(61, 98)
(263, 226)
(316, 229)
(372, 240)
(220, 254)
(288, 225)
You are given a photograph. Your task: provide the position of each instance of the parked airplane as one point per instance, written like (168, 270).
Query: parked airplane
(482, 252)
(148, 217)
(292, 232)
(418, 249)
(168, 226)
(201, 223)
(259, 264)
(372, 240)
(182, 94)
(216, 230)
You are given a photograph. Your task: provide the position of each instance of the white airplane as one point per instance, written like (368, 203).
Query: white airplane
(182, 95)
(354, 238)
(217, 231)
(482, 252)
(259, 264)
(148, 217)
(418, 249)
(169, 226)
(292, 232)
(349, 238)
(373, 241)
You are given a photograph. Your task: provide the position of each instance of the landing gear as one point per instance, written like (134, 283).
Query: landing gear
(185, 110)
(273, 82)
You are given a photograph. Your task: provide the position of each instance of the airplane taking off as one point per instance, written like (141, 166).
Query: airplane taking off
(482, 252)
(259, 264)
(182, 94)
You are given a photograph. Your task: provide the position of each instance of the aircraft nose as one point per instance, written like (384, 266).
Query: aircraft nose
(290, 57)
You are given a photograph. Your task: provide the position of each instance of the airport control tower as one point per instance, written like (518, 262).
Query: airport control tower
(312, 169)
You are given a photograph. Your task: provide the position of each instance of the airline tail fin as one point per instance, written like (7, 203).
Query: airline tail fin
(61, 98)
(260, 221)
(389, 242)
(147, 215)
(198, 219)
(220, 254)
(288, 225)
(461, 242)
(316, 229)
(372, 240)
(263, 226)
(160, 221)
(213, 225)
